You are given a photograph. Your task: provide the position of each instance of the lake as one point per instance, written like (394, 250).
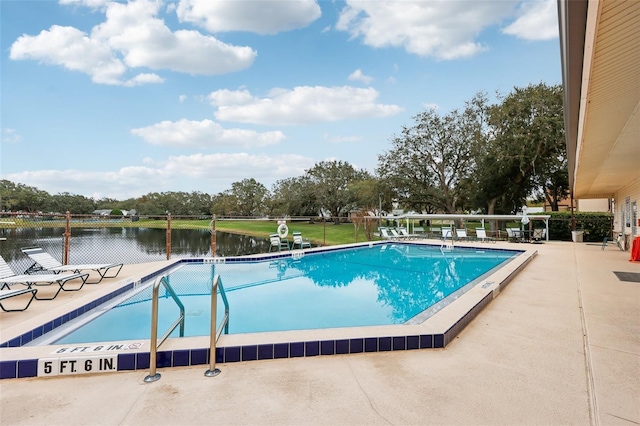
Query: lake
(123, 245)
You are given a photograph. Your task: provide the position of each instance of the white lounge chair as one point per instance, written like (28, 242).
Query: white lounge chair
(299, 241)
(403, 233)
(513, 235)
(277, 243)
(8, 294)
(384, 233)
(43, 261)
(418, 231)
(481, 234)
(9, 278)
(461, 234)
(436, 232)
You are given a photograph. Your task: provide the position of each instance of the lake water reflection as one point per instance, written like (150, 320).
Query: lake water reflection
(127, 245)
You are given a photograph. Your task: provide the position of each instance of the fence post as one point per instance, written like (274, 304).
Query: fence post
(355, 226)
(213, 236)
(168, 236)
(67, 239)
(324, 230)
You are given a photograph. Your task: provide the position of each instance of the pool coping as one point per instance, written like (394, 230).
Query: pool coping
(17, 361)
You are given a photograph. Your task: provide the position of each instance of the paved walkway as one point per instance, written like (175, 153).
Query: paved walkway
(561, 345)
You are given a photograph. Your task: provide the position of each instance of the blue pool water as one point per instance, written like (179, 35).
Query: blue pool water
(372, 285)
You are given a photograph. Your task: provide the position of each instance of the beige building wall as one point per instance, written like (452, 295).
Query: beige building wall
(594, 205)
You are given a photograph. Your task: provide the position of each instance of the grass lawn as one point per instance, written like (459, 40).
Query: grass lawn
(319, 233)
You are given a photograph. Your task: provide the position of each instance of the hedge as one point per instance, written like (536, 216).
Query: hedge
(596, 225)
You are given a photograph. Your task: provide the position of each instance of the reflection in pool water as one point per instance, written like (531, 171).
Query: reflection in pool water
(378, 285)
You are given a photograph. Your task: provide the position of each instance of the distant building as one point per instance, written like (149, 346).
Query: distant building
(582, 205)
(107, 212)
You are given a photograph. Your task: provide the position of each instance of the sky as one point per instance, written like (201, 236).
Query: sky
(119, 99)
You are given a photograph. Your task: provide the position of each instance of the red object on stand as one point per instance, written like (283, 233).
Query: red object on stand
(635, 250)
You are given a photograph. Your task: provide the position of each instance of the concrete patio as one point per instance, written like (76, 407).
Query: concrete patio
(560, 345)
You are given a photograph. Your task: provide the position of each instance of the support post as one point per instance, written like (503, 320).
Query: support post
(67, 239)
(213, 371)
(324, 230)
(168, 236)
(573, 218)
(355, 229)
(213, 236)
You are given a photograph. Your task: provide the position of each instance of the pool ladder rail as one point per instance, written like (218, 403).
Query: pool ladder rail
(445, 247)
(153, 350)
(214, 335)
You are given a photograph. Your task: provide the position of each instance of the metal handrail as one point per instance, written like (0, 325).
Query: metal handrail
(153, 350)
(444, 246)
(214, 334)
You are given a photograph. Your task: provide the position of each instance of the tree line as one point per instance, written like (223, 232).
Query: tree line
(483, 157)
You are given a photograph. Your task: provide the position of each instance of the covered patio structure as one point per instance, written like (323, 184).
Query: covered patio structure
(410, 219)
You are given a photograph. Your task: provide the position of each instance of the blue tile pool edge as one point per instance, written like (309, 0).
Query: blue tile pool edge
(190, 357)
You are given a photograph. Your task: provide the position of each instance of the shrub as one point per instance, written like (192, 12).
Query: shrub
(596, 225)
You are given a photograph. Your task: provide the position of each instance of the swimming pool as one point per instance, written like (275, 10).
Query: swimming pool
(23, 353)
(372, 285)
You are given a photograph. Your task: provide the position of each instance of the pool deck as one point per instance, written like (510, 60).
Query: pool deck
(560, 345)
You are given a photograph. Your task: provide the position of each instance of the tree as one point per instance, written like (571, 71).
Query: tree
(525, 150)
(371, 194)
(177, 203)
(294, 196)
(225, 204)
(331, 182)
(20, 197)
(554, 182)
(67, 202)
(200, 203)
(246, 198)
(251, 196)
(431, 162)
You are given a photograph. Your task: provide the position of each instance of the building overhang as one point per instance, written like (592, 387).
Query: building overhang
(601, 78)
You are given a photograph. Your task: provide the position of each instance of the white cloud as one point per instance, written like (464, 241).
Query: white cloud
(123, 183)
(144, 78)
(302, 105)
(357, 75)
(430, 106)
(204, 134)
(341, 139)
(132, 36)
(73, 49)
(235, 166)
(198, 172)
(262, 17)
(444, 30)
(182, 98)
(537, 20)
(94, 4)
(145, 41)
(226, 97)
(10, 136)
